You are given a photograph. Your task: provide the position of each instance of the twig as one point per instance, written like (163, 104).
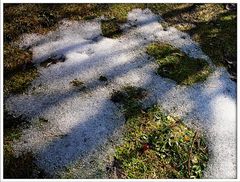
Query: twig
(190, 154)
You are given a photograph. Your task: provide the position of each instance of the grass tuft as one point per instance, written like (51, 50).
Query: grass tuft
(160, 146)
(156, 145)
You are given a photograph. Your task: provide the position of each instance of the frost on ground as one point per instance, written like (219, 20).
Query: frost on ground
(81, 122)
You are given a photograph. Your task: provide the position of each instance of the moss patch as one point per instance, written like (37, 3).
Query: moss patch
(110, 28)
(160, 146)
(177, 66)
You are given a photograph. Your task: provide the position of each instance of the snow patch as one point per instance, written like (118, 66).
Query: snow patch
(81, 121)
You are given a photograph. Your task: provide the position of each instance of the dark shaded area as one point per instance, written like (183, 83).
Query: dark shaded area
(220, 46)
(52, 60)
(217, 37)
(23, 166)
(175, 12)
(11, 121)
(103, 78)
(129, 97)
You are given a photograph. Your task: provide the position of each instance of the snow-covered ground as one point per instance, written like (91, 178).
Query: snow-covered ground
(79, 122)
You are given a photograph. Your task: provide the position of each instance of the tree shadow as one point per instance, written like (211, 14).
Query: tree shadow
(176, 12)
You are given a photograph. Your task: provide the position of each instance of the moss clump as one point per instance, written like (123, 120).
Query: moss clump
(160, 146)
(110, 28)
(177, 66)
(159, 51)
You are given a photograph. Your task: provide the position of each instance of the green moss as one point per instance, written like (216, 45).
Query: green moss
(110, 28)
(177, 66)
(160, 146)
(159, 51)
(120, 11)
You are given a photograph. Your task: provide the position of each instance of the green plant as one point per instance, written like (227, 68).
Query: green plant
(160, 146)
